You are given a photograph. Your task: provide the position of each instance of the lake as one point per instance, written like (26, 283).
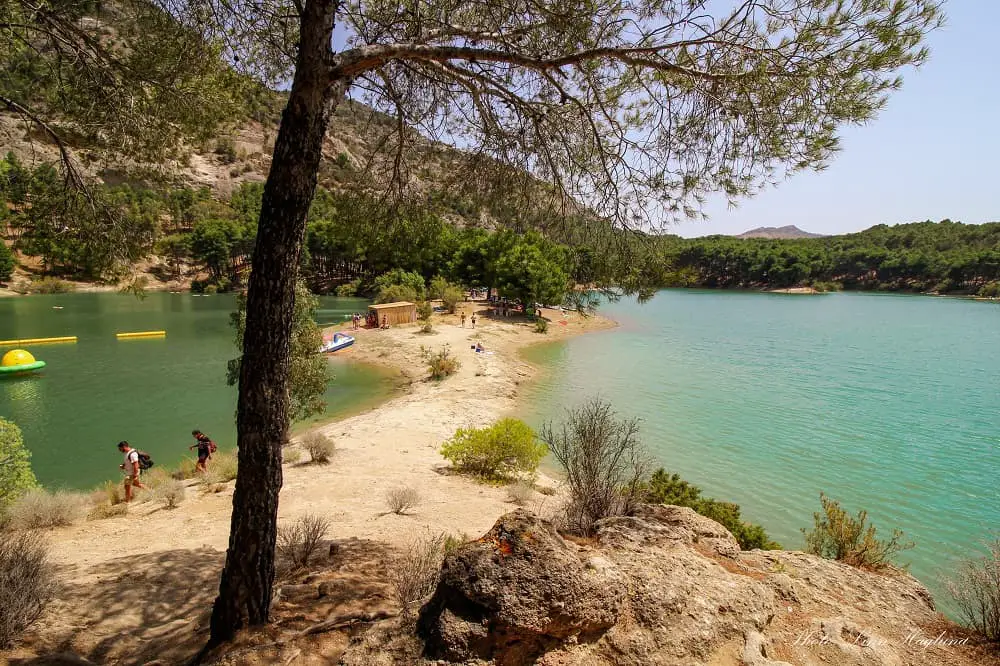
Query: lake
(885, 402)
(152, 392)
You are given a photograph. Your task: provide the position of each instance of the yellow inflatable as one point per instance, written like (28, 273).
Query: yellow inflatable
(19, 360)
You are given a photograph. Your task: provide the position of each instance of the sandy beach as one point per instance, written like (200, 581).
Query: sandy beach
(176, 553)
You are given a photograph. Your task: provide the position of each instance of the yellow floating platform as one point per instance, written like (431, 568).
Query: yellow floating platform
(36, 341)
(141, 334)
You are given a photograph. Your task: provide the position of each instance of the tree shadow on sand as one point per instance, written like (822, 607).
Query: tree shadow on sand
(135, 609)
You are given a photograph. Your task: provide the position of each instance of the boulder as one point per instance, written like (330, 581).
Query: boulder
(516, 592)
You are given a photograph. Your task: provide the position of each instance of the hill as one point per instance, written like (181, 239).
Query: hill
(789, 231)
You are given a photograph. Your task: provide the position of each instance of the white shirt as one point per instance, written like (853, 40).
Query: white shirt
(131, 457)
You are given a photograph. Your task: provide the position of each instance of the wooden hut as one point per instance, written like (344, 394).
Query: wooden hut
(401, 312)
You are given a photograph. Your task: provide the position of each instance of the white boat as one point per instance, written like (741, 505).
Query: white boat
(336, 343)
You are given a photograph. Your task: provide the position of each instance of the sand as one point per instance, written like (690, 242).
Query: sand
(175, 554)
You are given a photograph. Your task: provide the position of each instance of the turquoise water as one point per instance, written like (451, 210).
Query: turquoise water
(151, 392)
(887, 403)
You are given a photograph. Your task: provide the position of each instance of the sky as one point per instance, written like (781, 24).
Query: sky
(932, 153)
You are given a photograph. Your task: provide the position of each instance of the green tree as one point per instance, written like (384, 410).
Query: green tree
(596, 102)
(853, 540)
(16, 476)
(7, 262)
(309, 373)
(533, 270)
(399, 285)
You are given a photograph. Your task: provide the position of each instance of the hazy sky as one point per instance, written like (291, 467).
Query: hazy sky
(933, 153)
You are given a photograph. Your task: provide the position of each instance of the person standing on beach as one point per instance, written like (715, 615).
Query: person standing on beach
(205, 447)
(463, 320)
(473, 320)
(131, 468)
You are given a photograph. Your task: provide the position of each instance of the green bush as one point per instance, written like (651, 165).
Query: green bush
(541, 325)
(7, 262)
(51, 285)
(225, 148)
(990, 290)
(666, 488)
(443, 364)
(839, 536)
(822, 286)
(16, 477)
(503, 451)
(424, 313)
(451, 297)
(349, 289)
(399, 285)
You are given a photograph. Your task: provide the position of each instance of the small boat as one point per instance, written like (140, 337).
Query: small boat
(336, 343)
(18, 362)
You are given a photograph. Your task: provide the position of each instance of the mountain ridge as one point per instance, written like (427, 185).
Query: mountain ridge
(787, 231)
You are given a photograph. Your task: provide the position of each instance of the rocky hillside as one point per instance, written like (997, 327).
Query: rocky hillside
(789, 231)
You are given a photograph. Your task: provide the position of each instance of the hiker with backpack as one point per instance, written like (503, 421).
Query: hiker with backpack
(135, 462)
(206, 447)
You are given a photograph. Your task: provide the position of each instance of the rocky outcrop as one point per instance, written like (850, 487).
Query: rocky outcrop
(666, 586)
(517, 592)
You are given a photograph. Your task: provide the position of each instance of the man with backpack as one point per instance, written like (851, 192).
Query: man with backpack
(206, 447)
(135, 462)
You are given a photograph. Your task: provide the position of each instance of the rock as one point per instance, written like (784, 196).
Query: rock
(516, 592)
(298, 592)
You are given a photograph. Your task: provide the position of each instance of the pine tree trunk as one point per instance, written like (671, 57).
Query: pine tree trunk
(262, 413)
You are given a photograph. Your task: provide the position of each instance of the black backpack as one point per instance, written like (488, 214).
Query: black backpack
(145, 461)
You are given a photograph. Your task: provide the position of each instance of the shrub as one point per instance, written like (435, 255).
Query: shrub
(27, 583)
(396, 293)
(290, 455)
(424, 313)
(349, 289)
(222, 468)
(401, 500)
(16, 476)
(211, 289)
(103, 510)
(520, 492)
(7, 262)
(451, 297)
(39, 508)
(975, 588)
(839, 536)
(171, 493)
(989, 290)
(186, 469)
(604, 461)
(504, 450)
(666, 488)
(541, 325)
(415, 575)
(319, 446)
(113, 493)
(298, 542)
(823, 286)
(51, 285)
(225, 148)
(399, 285)
(443, 364)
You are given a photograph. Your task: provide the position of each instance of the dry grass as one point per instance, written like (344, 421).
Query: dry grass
(298, 542)
(27, 583)
(222, 469)
(976, 590)
(415, 574)
(104, 510)
(320, 447)
(171, 493)
(291, 455)
(38, 509)
(520, 493)
(400, 500)
(443, 364)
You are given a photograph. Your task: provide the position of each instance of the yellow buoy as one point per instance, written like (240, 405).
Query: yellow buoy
(37, 341)
(141, 334)
(16, 357)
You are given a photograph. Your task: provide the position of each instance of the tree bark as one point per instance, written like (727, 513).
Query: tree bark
(262, 412)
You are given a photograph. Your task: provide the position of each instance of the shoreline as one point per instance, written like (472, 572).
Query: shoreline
(394, 444)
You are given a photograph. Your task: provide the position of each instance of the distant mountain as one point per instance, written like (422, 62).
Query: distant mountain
(791, 231)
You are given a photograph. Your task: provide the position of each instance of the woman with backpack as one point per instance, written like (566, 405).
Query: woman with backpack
(206, 447)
